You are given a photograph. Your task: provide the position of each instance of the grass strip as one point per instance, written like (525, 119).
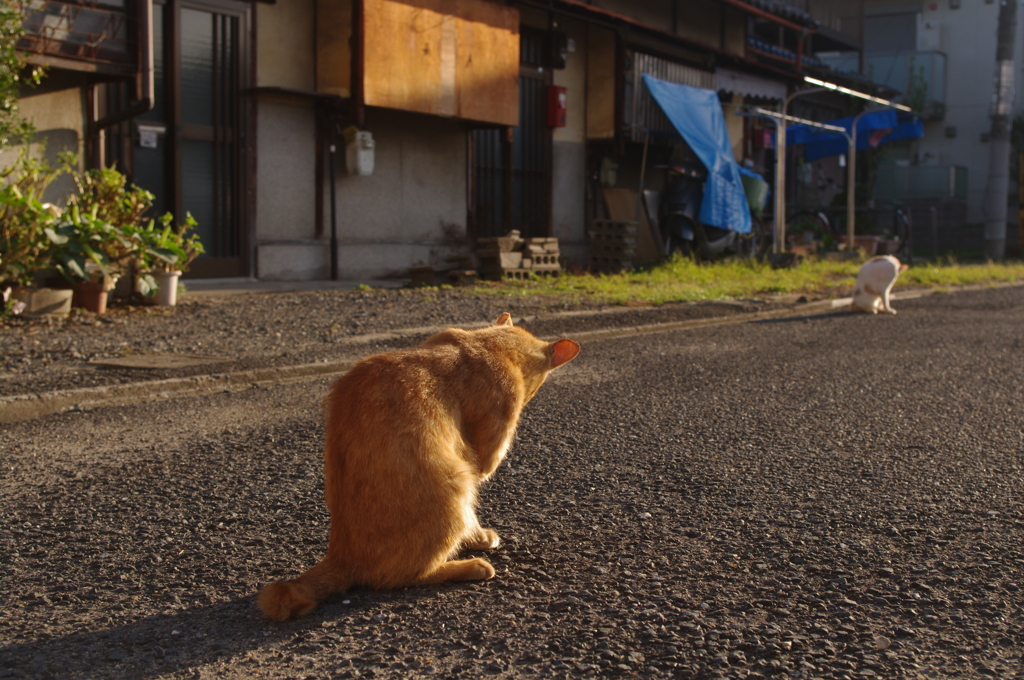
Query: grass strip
(683, 280)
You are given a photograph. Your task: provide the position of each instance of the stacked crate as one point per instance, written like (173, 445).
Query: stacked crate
(512, 257)
(612, 245)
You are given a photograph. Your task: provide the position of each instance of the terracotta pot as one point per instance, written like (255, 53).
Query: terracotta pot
(91, 296)
(869, 244)
(44, 301)
(167, 293)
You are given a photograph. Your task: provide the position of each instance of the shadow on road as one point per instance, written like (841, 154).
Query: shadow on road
(192, 638)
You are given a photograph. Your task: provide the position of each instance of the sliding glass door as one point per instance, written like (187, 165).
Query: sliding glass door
(191, 150)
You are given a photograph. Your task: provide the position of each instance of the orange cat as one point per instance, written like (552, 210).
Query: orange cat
(410, 437)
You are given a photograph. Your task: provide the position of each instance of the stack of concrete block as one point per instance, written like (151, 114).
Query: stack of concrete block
(513, 257)
(612, 245)
(541, 255)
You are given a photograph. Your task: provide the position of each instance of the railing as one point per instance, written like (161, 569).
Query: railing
(895, 69)
(903, 183)
(80, 31)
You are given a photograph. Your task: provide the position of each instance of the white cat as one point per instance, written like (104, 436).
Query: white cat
(874, 282)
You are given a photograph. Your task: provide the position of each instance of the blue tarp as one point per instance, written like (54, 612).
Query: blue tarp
(873, 129)
(697, 114)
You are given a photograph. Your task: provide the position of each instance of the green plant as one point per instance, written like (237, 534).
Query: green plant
(81, 239)
(106, 195)
(167, 248)
(13, 128)
(917, 88)
(24, 217)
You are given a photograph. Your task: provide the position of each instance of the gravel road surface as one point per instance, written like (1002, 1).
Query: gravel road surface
(832, 496)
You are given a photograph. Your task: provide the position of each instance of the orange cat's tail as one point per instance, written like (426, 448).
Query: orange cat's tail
(290, 599)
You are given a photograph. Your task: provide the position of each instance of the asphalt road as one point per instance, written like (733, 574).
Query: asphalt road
(837, 496)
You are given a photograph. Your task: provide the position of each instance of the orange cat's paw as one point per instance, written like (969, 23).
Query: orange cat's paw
(479, 570)
(484, 539)
(476, 569)
(281, 602)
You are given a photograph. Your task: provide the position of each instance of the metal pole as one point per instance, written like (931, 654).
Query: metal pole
(851, 187)
(780, 171)
(659, 246)
(334, 212)
(1020, 204)
(999, 140)
(779, 242)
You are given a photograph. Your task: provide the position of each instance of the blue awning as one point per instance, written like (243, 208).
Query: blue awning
(873, 129)
(697, 114)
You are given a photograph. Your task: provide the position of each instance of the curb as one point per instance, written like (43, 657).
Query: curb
(28, 406)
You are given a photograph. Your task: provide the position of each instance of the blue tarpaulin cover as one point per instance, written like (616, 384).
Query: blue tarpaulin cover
(697, 114)
(873, 129)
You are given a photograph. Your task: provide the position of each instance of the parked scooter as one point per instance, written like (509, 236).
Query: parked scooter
(683, 232)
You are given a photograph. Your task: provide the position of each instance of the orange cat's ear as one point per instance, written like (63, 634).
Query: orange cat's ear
(563, 352)
(504, 320)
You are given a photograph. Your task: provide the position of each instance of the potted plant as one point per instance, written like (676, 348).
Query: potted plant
(25, 249)
(168, 252)
(115, 212)
(80, 246)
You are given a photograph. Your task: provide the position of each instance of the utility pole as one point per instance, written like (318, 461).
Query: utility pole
(999, 160)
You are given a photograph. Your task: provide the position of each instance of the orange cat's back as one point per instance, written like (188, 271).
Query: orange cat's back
(410, 436)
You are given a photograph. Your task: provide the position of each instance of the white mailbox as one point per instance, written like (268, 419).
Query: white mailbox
(359, 153)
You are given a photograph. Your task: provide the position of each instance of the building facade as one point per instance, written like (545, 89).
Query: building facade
(942, 52)
(397, 130)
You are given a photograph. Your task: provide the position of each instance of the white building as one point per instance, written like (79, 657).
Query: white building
(950, 45)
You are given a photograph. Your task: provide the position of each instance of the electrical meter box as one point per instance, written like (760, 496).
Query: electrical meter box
(359, 152)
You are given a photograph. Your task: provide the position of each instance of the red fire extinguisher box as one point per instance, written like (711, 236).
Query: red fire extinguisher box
(556, 106)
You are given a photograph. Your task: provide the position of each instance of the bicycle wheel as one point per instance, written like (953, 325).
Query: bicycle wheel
(755, 243)
(901, 231)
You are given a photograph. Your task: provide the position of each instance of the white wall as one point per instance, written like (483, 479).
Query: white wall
(968, 37)
(412, 209)
(287, 247)
(59, 119)
(285, 45)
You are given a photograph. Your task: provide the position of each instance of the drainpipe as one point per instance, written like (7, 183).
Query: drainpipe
(331, 160)
(999, 140)
(147, 92)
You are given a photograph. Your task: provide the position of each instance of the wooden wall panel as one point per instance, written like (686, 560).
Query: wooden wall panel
(735, 33)
(333, 50)
(600, 83)
(457, 58)
(700, 21)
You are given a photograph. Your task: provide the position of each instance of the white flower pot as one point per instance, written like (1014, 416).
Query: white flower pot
(167, 293)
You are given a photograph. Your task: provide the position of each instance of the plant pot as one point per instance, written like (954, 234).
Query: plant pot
(869, 244)
(91, 295)
(167, 293)
(44, 301)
